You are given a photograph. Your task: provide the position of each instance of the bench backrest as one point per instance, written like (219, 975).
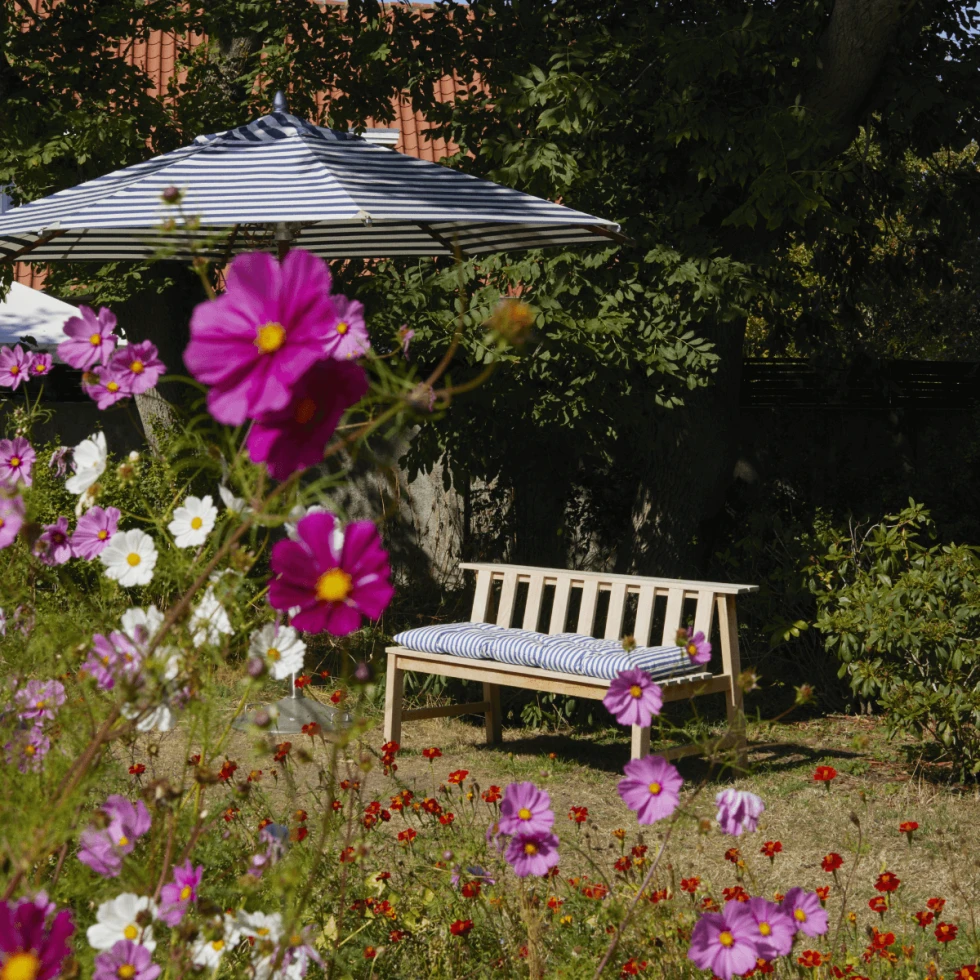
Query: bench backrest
(541, 599)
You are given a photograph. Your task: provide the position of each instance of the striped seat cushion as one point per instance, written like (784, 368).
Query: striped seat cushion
(566, 652)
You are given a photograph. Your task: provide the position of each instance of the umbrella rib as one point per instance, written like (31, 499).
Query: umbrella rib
(436, 236)
(40, 240)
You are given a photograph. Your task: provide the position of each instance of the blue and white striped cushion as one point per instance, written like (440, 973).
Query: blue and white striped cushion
(566, 652)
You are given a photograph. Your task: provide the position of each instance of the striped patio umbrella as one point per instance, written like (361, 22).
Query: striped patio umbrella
(280, 177)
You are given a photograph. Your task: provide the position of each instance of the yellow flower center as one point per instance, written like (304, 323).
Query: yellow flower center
(14, 369)
(40, 368)
(126, 972)
(1, 522)
(131, 932)
(765, 929)
(218, 945)
(197, 523)
(636, 691)
(40, 704)
(272, 653)
(137, 367)
(95, 339)
(305, 411)
(343, 327)
(262, 931)
(692, 650)
(270, 337)
(333, 586)
(15, 461)
(133, 559)
(123, 841)
(112, 386)
(29, 750)
(185, 893)
(655, 788)
(103, 535)
(530, 848)
(20, 966)
(524, 813)
(799, 915)
(726, 938)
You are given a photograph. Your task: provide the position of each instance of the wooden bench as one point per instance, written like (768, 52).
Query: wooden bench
(541, 599)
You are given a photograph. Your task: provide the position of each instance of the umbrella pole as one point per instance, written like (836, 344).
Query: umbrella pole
(284, 237)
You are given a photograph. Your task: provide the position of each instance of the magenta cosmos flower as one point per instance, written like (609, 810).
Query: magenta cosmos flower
(126, 961)
(15, 366)
(294, 437)
(333, 586)
(697, 647)
(11, 518)
(16, 461)
(30, 947)
(28, 749)
(633, 699)
(93, 531)
(39, 699)
(774, 928)
(41, 365)
(725, 942)
(177, 896)
(105, 386)
(532, 854)
(804, 908)
(525, 809)
(103, 850)
(53, 546)
(351, 333)
(91, 338)
(112, 658)
(137, 367)
(738, 811)
(254, 342)
(651, 788)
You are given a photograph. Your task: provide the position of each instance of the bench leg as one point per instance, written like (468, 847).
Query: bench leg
(640, 742)
(491, 694)
(731, 664)
(394, 695)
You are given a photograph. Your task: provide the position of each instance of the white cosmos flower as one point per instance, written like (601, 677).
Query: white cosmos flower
(130, 558)
(209, 620)
(193, 522)
(235, 504)
(90, 459)
(208, 953)
(297, 514)
(258, 925)
(116, 919)
(141, 625)
(281, 649)
(158, 719)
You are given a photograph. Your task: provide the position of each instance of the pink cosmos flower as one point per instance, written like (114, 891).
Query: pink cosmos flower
(28, 749)
(103, 850)
(11, 518)
(525, 809)
(93, 531)
(91, 338)
(126, 959)
(137, 367)
(53, 546)
(774, 927)
(105, 386)
(633, 699)
(16, 461)
(15, 366)
(725, 942)
(41, 365)
(29, 945)
(294, 438)
(333, 586)
(738, 811)
(39, 699)
(406, 335)
(804, 908)
(177, 896)
(532, 854)
(253, 343)
(697, 647)
(349, 328)
(111, 659)
(651, 788)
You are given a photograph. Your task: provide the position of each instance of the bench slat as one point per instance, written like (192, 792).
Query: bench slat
(508, 592)
(532, 610)
(559, 609)
(672, 617)
(586, 614)
(644, 616)
(481, 598)
(614, 618)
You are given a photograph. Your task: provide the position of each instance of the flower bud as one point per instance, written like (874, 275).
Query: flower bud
(363, 673)
(255, 667)
(172, 195)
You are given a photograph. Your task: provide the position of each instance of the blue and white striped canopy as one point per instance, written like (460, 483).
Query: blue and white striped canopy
(340, 195)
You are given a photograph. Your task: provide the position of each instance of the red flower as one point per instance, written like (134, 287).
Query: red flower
(771, 848)
(324, 674)
(431, 805)
(227, 770)
(881, 940)
(823, 892)
(831, 862)
(690, 884)
(936, 904)
(408, 835)
(907, 826)
(461, 927)
(458, 775)
(639, 851)
(264, 823)
(736, 892)
(491, 795)
(471, 889)
(298, 834)
(282, 750)
(945, 932)
(311, 728)
(396, 935)
(194, 760)
(810, 958)
(303, 680)
(887, 882)
(967, 973)
(878, 904)
(137, 770)
(446, 818)
(370, 952)
(230, 814)
(631, 967)
(255, 775)
(708, 904)
(825, 774)
(733, 854)
(337, 697)
(555, 903)
(383, 876)
(597, 891)
(389, 748)
(924, 918)
(337, 806)
(431, 754)
(659, 895)
(623, 864)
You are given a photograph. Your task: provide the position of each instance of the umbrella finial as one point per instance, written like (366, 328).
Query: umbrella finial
(279, 103)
